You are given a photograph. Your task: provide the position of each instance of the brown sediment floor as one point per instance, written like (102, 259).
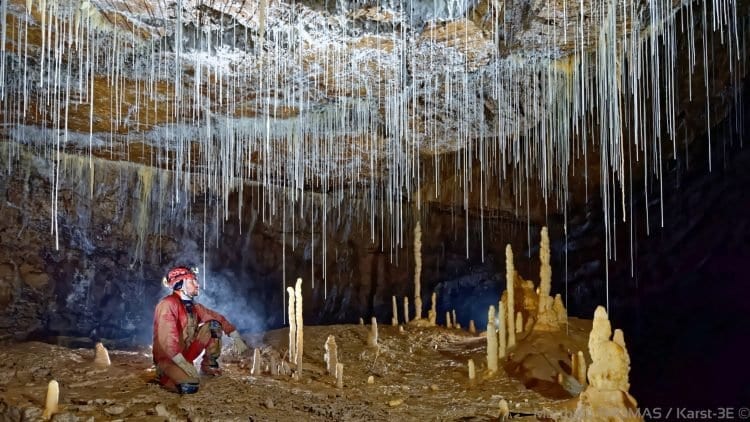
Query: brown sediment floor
(419, 374)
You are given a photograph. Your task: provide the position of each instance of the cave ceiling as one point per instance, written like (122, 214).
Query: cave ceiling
(324, 95)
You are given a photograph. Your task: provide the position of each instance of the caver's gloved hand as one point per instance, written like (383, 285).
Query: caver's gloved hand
(239, 344)
(186, 366)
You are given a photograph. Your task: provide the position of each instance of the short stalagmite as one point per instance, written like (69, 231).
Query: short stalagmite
(504, 410)
(340, 375)
(406, 310)
(101, 357)
(50, 403)
(331, 357)
(432, 313)
(257, 368)
(372, 338)
(394, 318)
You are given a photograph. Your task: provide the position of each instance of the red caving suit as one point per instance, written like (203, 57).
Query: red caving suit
(178, 331)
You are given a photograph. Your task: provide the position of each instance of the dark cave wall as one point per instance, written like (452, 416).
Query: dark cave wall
(120, 230)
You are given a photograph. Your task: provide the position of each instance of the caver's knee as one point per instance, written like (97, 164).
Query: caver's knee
(215, 328)
(209, 330)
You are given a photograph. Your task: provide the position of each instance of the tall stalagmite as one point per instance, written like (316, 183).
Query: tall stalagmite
(510, 276)
(292, 325)
(549, 312)
(300, 324)
(418, 271)
(502, 331)
(491, 340)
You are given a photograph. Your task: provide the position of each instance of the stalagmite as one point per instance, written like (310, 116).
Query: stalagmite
(472, 327)
(545, 269)
(101, 357)
(361, 321)
(372, 338)
(300, 324)
(519, 322)
(606, 398)
(339, 375)
(610, 362)
(559, 308)
(454, 320)
(292, 325)
(417, 271)
(510, 275)
(580, 366)
(472, 370)
(50, 403)
(331, 357)
(448, 323)
(257, 368)
(502, 332)
(491, 340)
(394, 318)
(274, 365)
(504, 410)
(550, 314)
(432, 313)
(406, 310)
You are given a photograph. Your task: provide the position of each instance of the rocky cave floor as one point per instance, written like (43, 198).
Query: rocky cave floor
(420, 373)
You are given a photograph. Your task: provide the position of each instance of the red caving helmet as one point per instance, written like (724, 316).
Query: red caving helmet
(178, 274)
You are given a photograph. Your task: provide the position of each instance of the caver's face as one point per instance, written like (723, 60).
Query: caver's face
(191, 287)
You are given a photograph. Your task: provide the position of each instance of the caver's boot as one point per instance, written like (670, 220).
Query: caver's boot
(210, 363)
(210, 368)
